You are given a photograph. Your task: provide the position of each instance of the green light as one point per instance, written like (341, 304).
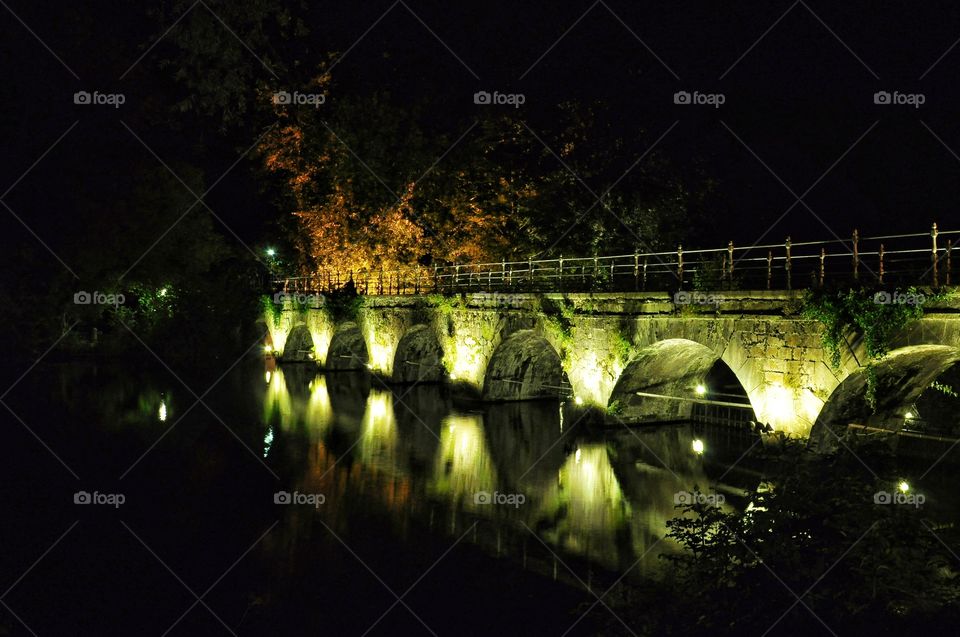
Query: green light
(271, 252)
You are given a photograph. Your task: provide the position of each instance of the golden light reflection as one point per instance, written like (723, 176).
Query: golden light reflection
(378, 437)
(593, 503)
(277, 403)
(319, 413)
(463, 465)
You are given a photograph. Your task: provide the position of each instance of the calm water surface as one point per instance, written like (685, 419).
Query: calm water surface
(291, 502)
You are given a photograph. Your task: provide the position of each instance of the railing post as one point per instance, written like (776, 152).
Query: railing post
(789, 266)
(645, 274)
(530, 271)
(680, 264)
(456, 280)
(730, 264)
(881, 264)
(596, 268)
(636, 271)
(560, 275)
(933, 255)
(416, 289)
(949, 253)
(823, 257)
(436, 280)
(769, 267)
(856, 254)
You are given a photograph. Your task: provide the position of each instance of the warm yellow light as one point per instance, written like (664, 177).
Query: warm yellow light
(908, 415)
(268, 348)
(697, 446)
(162, 413)
(701, 390)
(578, 400)
(267, 377)
(904, 486)
(577, 456)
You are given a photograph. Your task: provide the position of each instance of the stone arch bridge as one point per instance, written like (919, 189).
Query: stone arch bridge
(638, 355)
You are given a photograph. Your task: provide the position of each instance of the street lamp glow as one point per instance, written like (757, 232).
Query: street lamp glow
(904, 486)
(908, 415)
(577, 400)
(271, 252)
(701, 390)
(697, 446)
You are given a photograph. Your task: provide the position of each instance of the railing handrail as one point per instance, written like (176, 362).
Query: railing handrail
(733, 260)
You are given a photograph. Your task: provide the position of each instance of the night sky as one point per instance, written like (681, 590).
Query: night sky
(798, 81)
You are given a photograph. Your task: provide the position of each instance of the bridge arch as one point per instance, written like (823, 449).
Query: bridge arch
(525, 366)
(299, 344)
(902, 376)
(419, 357)
(347, 350)
(676, 368)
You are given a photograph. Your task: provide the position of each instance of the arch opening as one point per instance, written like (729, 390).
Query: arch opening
(680, 380)
(524, 367)
(299, 345)
(348, 350)
(419, 357)
(903, 377)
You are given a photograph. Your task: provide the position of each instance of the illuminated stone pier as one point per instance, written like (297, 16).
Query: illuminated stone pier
(640, 356)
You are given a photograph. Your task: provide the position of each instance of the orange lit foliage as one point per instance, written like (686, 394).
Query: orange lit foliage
(361, 187)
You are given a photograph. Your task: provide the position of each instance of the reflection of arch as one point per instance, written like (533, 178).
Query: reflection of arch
(347, 349)
(673, 367)
(525, 366)
(299, 345)
(901, 377)
(419, 357)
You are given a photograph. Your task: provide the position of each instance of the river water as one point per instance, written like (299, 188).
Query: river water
(292, 502)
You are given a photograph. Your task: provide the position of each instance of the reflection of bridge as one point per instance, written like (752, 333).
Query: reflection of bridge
(906, 259)
(612, 348)
(604, 498)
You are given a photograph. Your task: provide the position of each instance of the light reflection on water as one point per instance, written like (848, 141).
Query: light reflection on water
(511, 469)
